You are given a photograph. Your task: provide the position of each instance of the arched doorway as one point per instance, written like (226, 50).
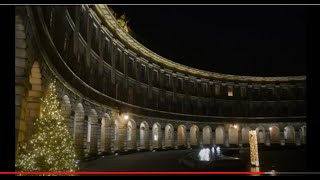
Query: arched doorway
(105, 133)
(144, 131)
(274, 135)
(115, 135)
(169, 135)
(131, 134)
(260, 134)
(92, 132)
(156, 135)
(194, 135)
(207, 135)
(233, 135)
(78, 130)
(220, 135)
(245, 135)
(289, 135)
(182, 140)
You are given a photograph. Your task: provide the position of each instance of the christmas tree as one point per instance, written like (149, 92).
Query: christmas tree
(51, 147)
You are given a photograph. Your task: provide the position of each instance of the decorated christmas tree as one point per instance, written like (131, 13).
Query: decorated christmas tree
(51, 147)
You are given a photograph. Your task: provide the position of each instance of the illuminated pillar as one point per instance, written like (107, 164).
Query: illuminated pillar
(254, 154)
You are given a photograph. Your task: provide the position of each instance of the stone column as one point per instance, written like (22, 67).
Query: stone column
(150, 138)
(79, 119)
(297, 138)
(138, 143)
(267, 137)
(106, 136)
(226, 137)
(239, 135)
(122, 131)
(282, 140)
(200, 137)
(93, 139)
(214, 142)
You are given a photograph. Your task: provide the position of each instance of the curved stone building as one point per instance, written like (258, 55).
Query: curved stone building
(119, 96)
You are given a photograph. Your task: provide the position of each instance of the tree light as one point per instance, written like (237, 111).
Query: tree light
(51, 148)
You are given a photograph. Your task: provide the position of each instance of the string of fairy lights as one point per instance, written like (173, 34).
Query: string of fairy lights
(254, 153)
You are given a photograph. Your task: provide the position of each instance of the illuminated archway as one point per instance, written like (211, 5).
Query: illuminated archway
(289, 135)
(131, 134)
(144, 131)
(245, 135)
(156, 135)
(105, 132)
(274, 135)
(207, 135)
(78, 130)
(169, 135)
(181, 139)
(194, 135)
(233, 135)
(92, 133)
(260, 135)
(220, 135)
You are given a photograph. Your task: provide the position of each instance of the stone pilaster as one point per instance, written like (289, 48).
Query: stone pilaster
(79, 126)
(93, 150)
(106, 135)
(226, 138)
(282, 140)
(20, 81)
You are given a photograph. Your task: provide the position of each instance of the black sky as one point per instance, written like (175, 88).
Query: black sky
(242, 40)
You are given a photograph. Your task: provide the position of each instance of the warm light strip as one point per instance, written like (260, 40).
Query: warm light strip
(134, 172)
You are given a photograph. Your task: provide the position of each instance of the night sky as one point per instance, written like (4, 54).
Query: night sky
(241, 40)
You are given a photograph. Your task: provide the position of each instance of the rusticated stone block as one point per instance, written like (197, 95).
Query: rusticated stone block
(21, 43)
(36, 87)
(36, 75)
(34, 93)
(34, 113)
(19, 71)
(21, 53)
(20, 80)
(20, 62)
(34, 105)
(20, 90)
(19, 26)
(35, 81)
(33, 99)
(20, 35)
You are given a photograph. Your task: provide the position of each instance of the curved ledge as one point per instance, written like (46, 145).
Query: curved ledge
(108, 19)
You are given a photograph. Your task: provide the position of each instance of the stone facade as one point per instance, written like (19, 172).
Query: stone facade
(104, 75)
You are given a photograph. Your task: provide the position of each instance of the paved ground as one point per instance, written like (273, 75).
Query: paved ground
(141, 161)
(279, 160)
